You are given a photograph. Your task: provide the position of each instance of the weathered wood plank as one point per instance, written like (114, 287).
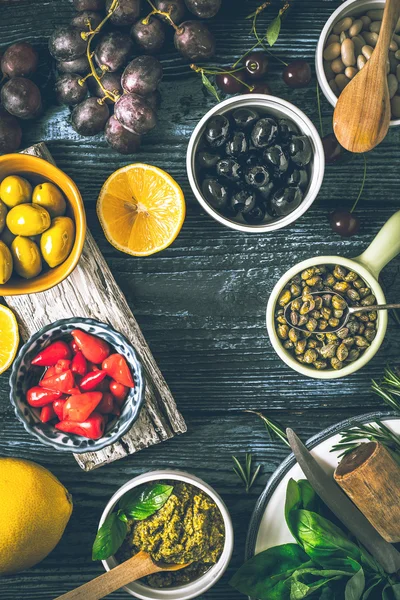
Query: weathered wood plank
(91, 291)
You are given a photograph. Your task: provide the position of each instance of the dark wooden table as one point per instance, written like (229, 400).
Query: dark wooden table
(201, 303)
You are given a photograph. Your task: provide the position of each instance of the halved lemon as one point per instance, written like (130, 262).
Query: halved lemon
(141, 209)
(9, 337)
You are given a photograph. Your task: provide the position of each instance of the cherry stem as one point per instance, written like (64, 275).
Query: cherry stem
(362, 184)
(166, 15)
(321, 127)
(88, 36)
(197, 69)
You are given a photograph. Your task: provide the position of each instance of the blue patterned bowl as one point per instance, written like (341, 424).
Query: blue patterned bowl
(24, 376)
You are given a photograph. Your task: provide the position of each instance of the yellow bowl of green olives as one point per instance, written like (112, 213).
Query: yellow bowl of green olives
(332, 355)
(42, 225)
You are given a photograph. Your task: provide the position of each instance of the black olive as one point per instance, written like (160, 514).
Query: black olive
(298, 177)
(287, 129)
(207, 160)
(300, 150)
(237, 145)
(230, 169)
(265, 192)
(245, 117)
(286, 200)
(257, 176)
(215, 192)
(277, 158)
(243, 201)
(217, 131)
(264, 132)
(253, 158)
(256, 215)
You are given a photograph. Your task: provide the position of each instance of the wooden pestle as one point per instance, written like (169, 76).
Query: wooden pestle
(370, 476)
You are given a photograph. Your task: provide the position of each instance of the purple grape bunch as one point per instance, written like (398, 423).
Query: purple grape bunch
(123, 98)
(20, 96)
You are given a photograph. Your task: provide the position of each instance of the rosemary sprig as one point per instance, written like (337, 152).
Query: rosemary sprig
(388, 388)
(376, 432)
(244, 472)
(273, 429)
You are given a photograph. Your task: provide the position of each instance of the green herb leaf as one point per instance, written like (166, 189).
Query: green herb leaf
(143, 502)
(273, 30)
(109, 537)
(244, 473)
(372, 588)
(209, 86)
(355, 586)
(391, 591)
(267, 575)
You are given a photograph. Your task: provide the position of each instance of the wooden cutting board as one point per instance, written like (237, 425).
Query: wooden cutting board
(91, 291)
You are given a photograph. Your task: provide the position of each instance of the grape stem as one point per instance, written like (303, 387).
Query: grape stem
(166, 15)
(88, 36)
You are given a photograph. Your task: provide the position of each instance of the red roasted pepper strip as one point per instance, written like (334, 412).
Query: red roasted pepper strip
(62, 382)
(58, 406)
(119, 391)
(74, 346)
(39, 396)
(47, 413)
(49, 373)
(92, 380)
(79, 364)
(80, 406)
(52, 354)
(106, 404)
(92, 428)
(93, 348)
(62, 365)
(117, 368)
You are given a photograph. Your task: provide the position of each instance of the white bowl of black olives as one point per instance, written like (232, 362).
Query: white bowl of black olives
(255, 163)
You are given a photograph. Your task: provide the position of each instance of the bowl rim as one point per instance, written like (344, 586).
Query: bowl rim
(206, 581)
(344, 9)
(41, 167)
(101, 442)
(382, 321)
(289, 110)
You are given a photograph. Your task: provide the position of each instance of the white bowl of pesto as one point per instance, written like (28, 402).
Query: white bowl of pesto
(183, 481)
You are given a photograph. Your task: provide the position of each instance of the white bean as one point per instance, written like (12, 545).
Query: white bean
(393, 46)
(395, 104)
(329, 74)
(351, 72)
(348, 56)
(358, 42)
(361, 61)
(331, 39)
(396, 38)
(397, 54)
(332, 51)
(398, 73)
(343, 36)
(334, 87)
(367, 51)
(343, 25)
(370, 38)
(365, 21)
(393, 84)
(393, 62)
(375, 15)
(397, 28)
(341, 81)
(338, 65)
(375, 26)
(356, 27)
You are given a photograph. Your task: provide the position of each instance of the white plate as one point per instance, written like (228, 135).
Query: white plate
(268, 526)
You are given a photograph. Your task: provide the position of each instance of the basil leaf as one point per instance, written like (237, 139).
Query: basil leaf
(300, 590)
(394, 588)
(355, 586)
(300, 494)
(273, 30)
(371, 588)
(267, 575)
(209, 86)
(143, 502)
(109, 537)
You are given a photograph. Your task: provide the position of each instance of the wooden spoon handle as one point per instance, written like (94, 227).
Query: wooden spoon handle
(390, 17)
(134, 568)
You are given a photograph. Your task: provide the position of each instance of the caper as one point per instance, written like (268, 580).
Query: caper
(338, 314)
(343, 333)
(359, 283)
(353, 326)
(361, 342)
(293, 335)
(336, 363)
(318, 302)
(353, 355)
(339, 272)
(300, 346)
(312, 343)
(288, 344)
(283, 331)
(326, 312)
(368, 300)
(369, 334)
(342, 352)
(312, 324)
(308, 273)
(361, 328)
(313, 281)
(320, 364)
(310, 356)
(363, 316)
(353, 295)
(300, 358)
(315, 314)
(341, 286)
(351, 276)
(307, 289)
(329, 280)
(321, 269)
(322, 324)
(364, 291)
(285, 298)
(296, 304)
(281, 319)
(333, 322)
(295, 290)
(329, 350)
(303, 319)
(294, 318)
(320, 337)
(331, 337)
(338, 302)
(373, 315)
(349, 341)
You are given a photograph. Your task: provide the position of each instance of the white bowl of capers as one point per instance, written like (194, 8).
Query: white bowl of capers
(347, 42)
(317, 353)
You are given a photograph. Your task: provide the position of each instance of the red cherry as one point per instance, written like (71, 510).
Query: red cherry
(297, 74)
(228, 84)
(344, 223)
(261, 88)
(333, 150)
(256, 64)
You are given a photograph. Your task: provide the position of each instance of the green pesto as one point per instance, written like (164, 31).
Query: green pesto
(188, 528)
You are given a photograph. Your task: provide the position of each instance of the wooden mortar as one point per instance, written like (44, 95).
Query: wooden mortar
(370, 476)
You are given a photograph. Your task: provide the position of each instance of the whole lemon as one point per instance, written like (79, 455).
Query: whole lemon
(15, 190)
(28, 219)
(51, 198)
(35, 509)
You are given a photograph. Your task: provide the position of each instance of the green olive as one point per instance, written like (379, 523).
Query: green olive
(6, 263)
(7, 237)
(51, 198)
(15, 190)
(56, 243)
(3, 214)
(28, 219)
(26, 257)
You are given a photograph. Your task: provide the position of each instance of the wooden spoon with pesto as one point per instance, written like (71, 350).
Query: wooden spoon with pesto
(134, 568)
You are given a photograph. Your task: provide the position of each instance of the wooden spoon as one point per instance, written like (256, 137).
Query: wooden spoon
(134, 568)
(362, 114)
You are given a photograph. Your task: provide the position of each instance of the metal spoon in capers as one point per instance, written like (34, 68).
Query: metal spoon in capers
(312, 300)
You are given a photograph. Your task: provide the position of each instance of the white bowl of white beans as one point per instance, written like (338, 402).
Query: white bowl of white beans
(346, 43)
